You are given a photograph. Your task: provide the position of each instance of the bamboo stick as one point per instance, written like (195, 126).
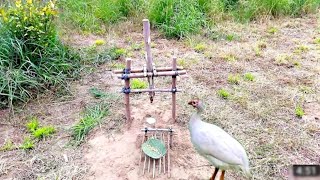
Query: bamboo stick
(149, 74)
(174, 86)
(147, 41)
(152, 90)
(145, 159)
(161, 138)
(158, 69)
(156, 129)
(127, 95)
(142, 151)
(164, 157)
(169, 171)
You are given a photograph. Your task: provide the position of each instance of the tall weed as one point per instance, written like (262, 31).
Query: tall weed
(31, 56)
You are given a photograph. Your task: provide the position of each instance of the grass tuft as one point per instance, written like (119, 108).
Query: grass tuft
(175, 18)
(93, 115)
(229, 57)
(43, 132)
(273, 30)
(7, 146)
(27, 144)
(223, 93)
(299, 111)
(99, 42)
(138, 84)
(249, 77)
(234, 79)
(201, 47)
(33, 124)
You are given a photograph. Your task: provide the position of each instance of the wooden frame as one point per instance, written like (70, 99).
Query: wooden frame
(149, 71)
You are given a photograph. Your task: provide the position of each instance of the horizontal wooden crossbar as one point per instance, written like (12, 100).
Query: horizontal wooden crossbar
(153, 90)
(141, 70)
(150, 74)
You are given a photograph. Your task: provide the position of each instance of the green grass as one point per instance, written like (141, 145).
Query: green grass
(138, 84)
(7, 146)
(223, 93)
(176, 18)
(33, 124)
(27, 144)
(38, 131)
(32, 59)
(200, 48)
(249, 77)
(234, 78)
(316, 40)
(116, 53)
(299, 111)
(92, 116)
(99, 42)
(43, 132)
(93, 15)
(229, 57)
(273, 30)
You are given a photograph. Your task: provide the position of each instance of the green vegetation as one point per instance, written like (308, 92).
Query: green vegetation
(230, 37)
(116, 53)
(234, 79)
(97, 93)
(229, 57)
(301, 48)
(33, 124)
(201, 47)
(273, 30)
(39, 132)
(92, 116)
(176, 18)
(44, 132)
(316, 40)
(299, 111)
(138, 84)
(283, 59)
(27, 144)
(8, 146)
(223, 93)
(249, 77)
(32, 58)
(93, 15)
(99, 42)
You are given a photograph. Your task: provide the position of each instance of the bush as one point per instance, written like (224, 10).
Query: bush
(31, 56)
(176, 18)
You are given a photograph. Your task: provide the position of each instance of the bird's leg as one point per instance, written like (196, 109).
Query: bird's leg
(214, 174)
(222, 175)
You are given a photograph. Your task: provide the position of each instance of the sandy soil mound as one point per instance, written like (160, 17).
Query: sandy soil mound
(118, 157)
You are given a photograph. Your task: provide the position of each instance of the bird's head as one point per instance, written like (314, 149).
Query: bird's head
(196, 103)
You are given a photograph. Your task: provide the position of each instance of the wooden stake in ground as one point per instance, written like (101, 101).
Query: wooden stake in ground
(127, 91)
(147, 41)
(174, 87)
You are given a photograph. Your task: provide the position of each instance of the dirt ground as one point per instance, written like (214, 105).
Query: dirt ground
(260, 114)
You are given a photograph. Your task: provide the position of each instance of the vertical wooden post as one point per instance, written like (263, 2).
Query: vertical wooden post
(147, 41)
(127, 94)
(174, 86)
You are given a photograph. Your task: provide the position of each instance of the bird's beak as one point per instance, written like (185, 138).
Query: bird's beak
(190, 102)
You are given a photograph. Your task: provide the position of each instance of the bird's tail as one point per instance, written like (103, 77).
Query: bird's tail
(247, 172)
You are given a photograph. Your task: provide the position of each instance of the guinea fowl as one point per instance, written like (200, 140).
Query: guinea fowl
(217, 146)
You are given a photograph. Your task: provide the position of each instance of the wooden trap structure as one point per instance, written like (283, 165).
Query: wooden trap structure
(149, 71)
(156, 167)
